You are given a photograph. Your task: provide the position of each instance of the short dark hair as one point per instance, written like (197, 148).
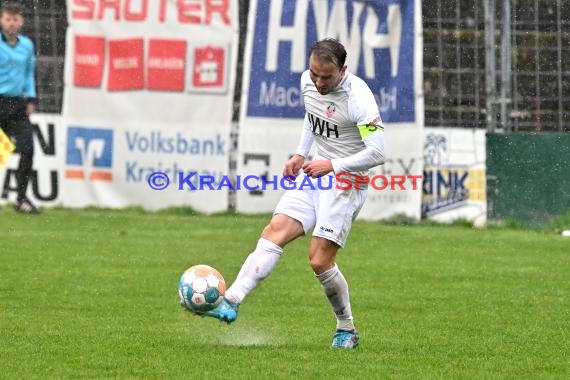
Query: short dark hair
(329, 50)
(12, 8)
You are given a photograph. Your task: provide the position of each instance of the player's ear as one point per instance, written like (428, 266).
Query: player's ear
(343, 70)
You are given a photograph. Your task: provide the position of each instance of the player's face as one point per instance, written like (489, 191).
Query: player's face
(325, 75)
(11, 23)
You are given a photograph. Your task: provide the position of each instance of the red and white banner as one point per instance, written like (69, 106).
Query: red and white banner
(149, 88)
(383, 42)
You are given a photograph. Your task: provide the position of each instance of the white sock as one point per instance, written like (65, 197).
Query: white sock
(256, 267)
(336, 289)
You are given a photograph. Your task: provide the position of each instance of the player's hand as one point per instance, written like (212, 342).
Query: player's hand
(293, 166)
(317, 168)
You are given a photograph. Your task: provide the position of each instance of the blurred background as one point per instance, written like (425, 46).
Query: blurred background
(496, 88)
(535, 91)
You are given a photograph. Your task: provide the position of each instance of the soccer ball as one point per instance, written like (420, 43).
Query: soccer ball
(201, 288)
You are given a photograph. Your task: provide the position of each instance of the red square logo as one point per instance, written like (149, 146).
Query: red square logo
(166, 65)
(126, 69)
(88, 61)
(209, 67)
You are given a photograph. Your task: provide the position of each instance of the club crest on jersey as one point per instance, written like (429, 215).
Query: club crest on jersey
(330, 110)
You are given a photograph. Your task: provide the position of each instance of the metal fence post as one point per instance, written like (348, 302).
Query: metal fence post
(490, 68)
(506, 65)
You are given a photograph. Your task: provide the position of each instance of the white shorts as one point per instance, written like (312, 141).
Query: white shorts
(330, 211)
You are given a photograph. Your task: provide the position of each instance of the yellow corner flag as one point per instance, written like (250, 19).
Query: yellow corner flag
(6, 148)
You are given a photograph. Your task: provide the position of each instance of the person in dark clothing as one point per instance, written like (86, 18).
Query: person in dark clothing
(17, 95)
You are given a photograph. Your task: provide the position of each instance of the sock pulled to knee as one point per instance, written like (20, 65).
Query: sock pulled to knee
(336, 289)
(258, 265)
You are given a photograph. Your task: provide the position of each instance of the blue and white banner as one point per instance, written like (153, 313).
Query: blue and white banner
(383, 42)
(454, 183)
(148, 88)
(379, 49)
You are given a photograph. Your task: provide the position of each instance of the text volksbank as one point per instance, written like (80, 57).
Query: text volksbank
(157, 143)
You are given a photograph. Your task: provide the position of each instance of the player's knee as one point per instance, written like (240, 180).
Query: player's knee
(274, 233)
(321, 263)
(322, 254)
(281, 231)
(269, 231)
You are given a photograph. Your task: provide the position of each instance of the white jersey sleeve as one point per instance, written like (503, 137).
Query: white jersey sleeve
(306, 140)
(372, 155)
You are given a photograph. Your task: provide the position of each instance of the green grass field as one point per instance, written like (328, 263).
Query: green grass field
(93, 294)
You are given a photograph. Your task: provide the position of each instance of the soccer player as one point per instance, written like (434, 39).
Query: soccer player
(343, 120)
(17, 95)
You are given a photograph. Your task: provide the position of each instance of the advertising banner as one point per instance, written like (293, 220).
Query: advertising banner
(44, 185)
(383, 42)
(454, 185)
(149, 88)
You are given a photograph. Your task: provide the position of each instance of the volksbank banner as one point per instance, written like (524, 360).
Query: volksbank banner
(383, 42)
(148, 87)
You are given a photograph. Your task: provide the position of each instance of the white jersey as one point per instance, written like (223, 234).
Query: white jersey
(334, 118)
(346, 127)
